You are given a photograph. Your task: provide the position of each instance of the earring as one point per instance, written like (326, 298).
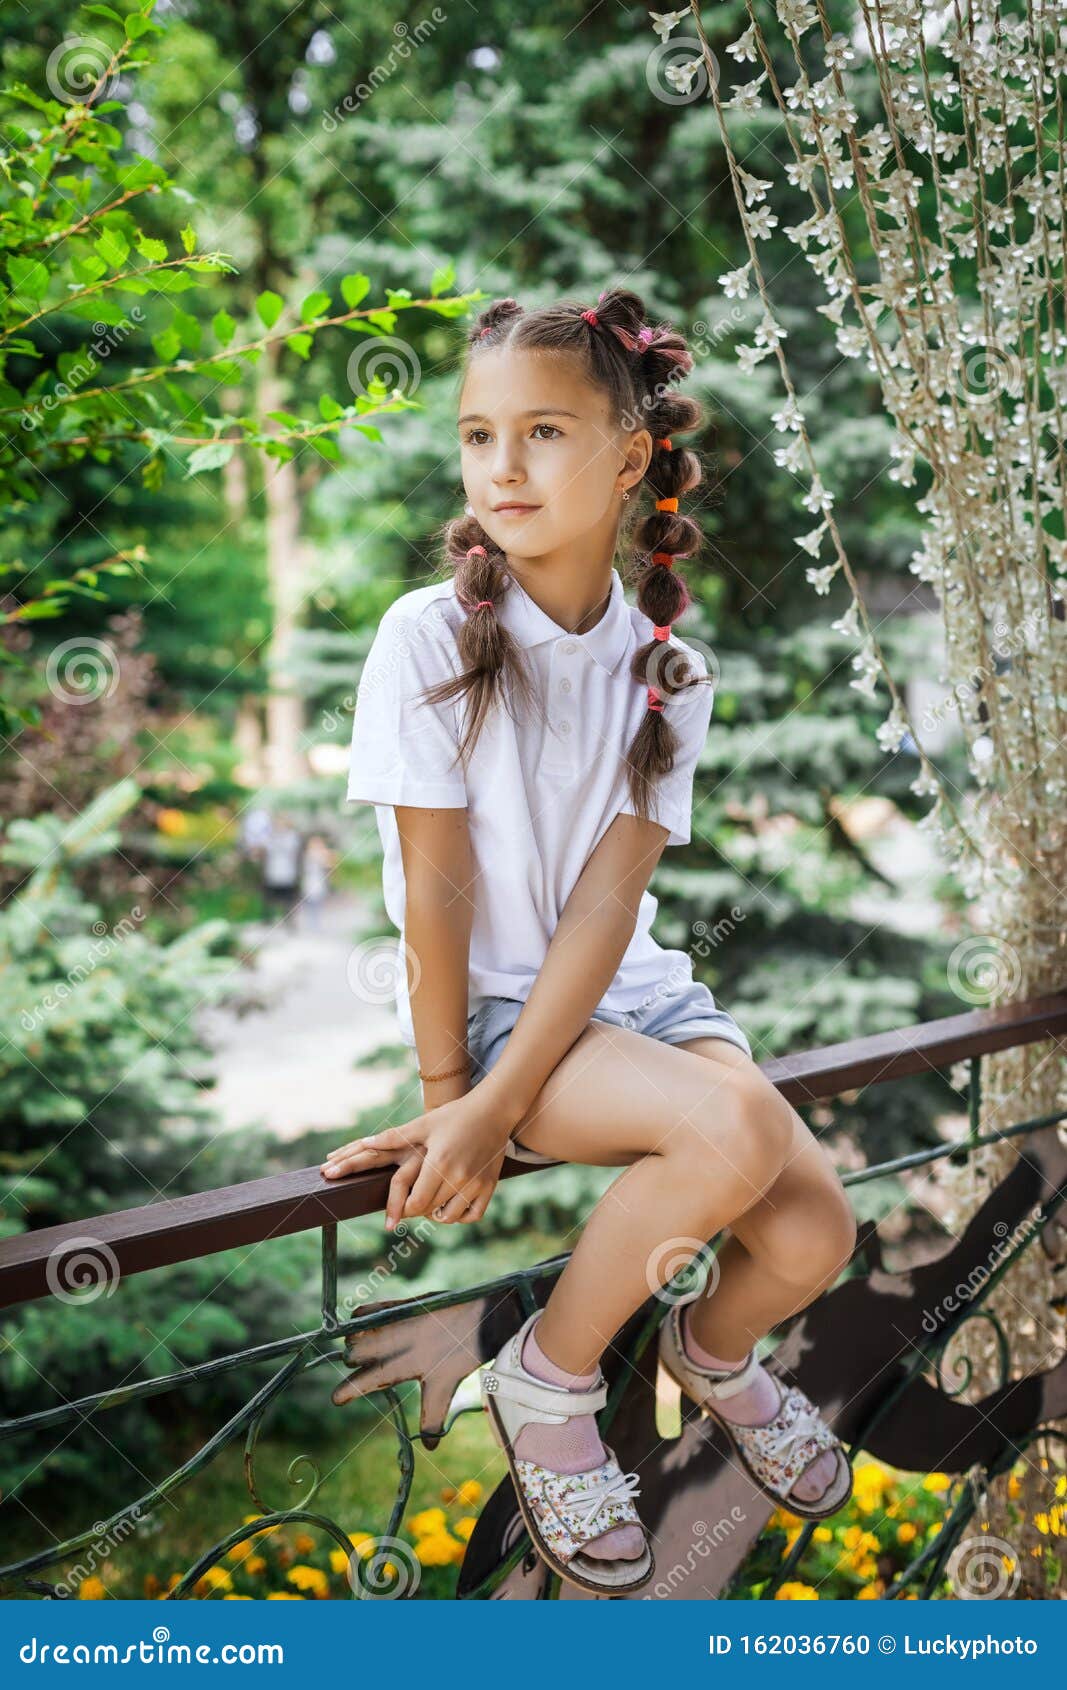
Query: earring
(626, 492)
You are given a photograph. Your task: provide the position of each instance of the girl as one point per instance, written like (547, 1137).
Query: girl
(548, 1023)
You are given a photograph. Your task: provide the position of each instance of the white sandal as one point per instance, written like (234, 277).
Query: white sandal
(563, 1511)
(778, 1452)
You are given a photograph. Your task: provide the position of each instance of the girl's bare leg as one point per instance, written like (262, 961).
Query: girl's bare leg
(701, 1141)
(783, 1251)
(708, 1142)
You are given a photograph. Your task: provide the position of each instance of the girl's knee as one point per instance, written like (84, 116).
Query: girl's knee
(743, 1129)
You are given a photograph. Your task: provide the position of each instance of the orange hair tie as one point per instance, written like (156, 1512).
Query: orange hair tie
(654, 701)
(665, 558)
(666, 504)
(665, 443)
(662, 633)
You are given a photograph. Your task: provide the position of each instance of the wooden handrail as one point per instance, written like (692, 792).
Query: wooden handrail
(184, 1228)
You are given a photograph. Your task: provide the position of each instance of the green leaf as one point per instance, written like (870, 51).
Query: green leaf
(286, 418)
(167, 344)
(301, 344)
(270, 307)
(315, 305)
(113, 248)
(189, 327)
(188, 235)
(103, 12)
(354, 290)
(155, 251)
(329, 409)
(326, 448)
(443, 279)
(224, 327)
(28, 277)
(212, 456)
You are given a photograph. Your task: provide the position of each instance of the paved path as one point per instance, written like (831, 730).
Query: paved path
(295, 1063)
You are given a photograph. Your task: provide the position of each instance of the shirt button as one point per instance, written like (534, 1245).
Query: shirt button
(568, 646)
(564, 727)
(564, 686)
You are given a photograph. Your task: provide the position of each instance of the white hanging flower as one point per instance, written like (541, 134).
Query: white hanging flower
(664, 22)
(839, 51)
(849, 624)
(893, 731)
(761, 222)
(789, 418)
(797, 14)
(744, 48)
(925, 784)
(817, 498)
(810, 543)
(681, 77)
(746, 95)
(821, 578)
(867, 669)
(755, 187)
(800, 171)
(735, 282)
(790, 457)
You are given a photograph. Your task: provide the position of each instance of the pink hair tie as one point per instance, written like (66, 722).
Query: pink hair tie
(591, 317)
(482, 602)
(646, 335)
(662, 633)
(653, 696)
(477, 551)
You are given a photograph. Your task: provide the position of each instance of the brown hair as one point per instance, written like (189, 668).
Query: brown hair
(637, 366)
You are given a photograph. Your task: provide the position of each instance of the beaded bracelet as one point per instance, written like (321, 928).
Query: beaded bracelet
(446, 1076)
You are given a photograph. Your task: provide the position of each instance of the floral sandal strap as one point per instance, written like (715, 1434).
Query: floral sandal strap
(572, 1509)
(782, 1450)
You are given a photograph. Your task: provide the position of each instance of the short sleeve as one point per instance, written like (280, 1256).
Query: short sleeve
(405, 750)
(671, 799)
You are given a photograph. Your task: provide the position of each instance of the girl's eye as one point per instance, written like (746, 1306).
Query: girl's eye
(475, 435)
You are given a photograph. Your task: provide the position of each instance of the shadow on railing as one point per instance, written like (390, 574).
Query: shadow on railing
(861, 1351)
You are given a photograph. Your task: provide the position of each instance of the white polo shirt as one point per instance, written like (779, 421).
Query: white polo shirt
(540, 792)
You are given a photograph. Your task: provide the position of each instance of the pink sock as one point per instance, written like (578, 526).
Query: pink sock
(754, 1406)
(572, 1448)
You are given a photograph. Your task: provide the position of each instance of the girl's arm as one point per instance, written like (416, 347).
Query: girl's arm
(438, 873)
(595, 928)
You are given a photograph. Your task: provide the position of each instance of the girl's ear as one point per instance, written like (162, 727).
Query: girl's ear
(638, 451)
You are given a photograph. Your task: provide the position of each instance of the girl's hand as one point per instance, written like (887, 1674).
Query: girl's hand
(450, 1161)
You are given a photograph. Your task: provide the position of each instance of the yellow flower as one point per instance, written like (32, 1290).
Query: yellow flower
(437, 1549)
(232, 1596)
(906, 1531)
(428, 1521)
(873, 1475)
(91, 1590)
(247, 1521)
(855, 1538)
(470, 1492)
(216, 1578)
(283, 1596)
(173, 822)
(795, 1592)
(338, 1561)
(867, 1567)
(255, 1564)
(363, 1541)
(1061, 1485)
(823, 1534)
(239, 1550)
(464, 1527)
(449, 1493)
(870, 1592)
(304, 1543)
(1014, 1487)
(937, 1481)
(309, 1578)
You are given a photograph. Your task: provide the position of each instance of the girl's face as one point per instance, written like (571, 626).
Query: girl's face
(537, 436)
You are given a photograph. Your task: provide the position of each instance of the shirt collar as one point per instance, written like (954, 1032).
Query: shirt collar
(607, 643)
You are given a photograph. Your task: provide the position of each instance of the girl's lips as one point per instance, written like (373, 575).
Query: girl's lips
(515, 510)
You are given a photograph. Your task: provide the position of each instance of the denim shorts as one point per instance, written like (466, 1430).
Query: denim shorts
(688, 1012)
